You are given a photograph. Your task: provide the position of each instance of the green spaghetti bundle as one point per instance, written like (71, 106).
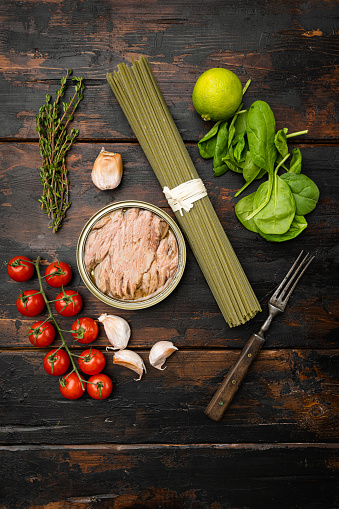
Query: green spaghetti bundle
(141, 100)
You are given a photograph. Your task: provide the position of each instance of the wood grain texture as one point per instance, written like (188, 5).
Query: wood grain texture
(287, 396)
(150, 444)
(212, 476)
(310, 319)
(289, 50)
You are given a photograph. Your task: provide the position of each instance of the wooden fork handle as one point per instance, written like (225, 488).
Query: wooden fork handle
(224, 395)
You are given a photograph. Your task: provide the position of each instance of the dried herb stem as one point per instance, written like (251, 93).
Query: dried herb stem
(54, 143)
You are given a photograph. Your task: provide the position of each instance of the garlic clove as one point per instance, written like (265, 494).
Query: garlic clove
(117, 330)
(130, 360)
(107, 170)
(159, 353)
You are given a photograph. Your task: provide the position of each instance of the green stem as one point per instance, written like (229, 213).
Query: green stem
(47, 302)
(243, 188)
(42, 323)
(270, 187)
(246, 87)
(267, 199)
(57, 349)
(296, 134)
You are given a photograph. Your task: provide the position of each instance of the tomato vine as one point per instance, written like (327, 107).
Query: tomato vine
(52, 317)
(84, 330)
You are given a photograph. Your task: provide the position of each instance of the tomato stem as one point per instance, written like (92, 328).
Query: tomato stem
(37, 330)
(51, 316)
(20, 263)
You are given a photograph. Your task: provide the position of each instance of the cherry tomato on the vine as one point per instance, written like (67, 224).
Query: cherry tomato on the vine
(30, 303)
(18, 270)
(87, 330)
(99, 386)
(92, 361)
(41, 333)
(56, 362)
(68, 303)
(70, 386)
(58, 274)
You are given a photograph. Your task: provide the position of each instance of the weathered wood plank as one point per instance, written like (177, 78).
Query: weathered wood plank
(20, 163)
(289, 50)
(211, 476)
(310, 319)
(288, 395)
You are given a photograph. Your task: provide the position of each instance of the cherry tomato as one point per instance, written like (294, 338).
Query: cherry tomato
(58, 274)
(92, 361)
(19, 270)
(30, 303)
(87, 330)
(68, 303)
(70, 386)
(41, 333)
(56, 362)
(99, 386)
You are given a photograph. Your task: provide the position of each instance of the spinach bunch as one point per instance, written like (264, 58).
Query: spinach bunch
(249, 144)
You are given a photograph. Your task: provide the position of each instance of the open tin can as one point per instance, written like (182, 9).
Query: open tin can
(88, 279)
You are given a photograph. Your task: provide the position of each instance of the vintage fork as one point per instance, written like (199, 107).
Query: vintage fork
(277, 303)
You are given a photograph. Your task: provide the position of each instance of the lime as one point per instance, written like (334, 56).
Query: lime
(217, 94)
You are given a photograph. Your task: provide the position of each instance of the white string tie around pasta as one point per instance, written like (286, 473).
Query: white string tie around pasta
(184, 195)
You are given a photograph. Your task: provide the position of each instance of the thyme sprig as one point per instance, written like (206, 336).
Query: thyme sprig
(55, 140)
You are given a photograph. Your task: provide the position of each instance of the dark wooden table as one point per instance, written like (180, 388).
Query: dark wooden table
(150, 444)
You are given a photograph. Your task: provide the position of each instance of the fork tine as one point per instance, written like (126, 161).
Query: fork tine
(282, 284)
(294, 275)
(296, 281)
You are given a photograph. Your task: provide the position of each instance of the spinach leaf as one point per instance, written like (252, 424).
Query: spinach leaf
(243, 208)
(239, 148)
(207, 144)
(231, 162)
(277, 215)
(261, 135)
(280, 142)
(251, 170)
(220, 170)
(233, 132)
(298, 225)
(239, 127)
(236, 139)
(240, 123)
(220, 150)
(259, 175)
(304, 190)
(295, 166)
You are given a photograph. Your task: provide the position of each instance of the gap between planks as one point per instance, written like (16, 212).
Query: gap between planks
(161, 446)
(302, 142)
(145, 349)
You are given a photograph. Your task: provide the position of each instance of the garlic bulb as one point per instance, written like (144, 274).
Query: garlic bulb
(107, 170)
(159, 353)
(130, 360)
(117, 330)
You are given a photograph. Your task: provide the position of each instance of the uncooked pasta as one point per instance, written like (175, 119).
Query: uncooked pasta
(140, 98)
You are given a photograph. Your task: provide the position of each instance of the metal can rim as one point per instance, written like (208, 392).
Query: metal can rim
(88, 280)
